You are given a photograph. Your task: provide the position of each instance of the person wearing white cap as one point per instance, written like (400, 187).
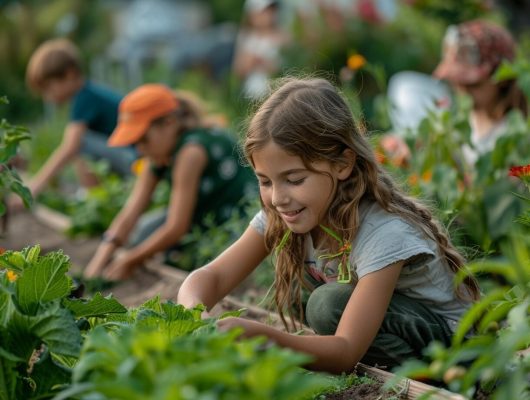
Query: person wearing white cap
(257, 53)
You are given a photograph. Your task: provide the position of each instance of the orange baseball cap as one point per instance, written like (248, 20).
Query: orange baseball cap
(138, 109)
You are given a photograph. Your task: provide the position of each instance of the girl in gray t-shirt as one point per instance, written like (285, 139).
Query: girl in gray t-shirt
(379, 269)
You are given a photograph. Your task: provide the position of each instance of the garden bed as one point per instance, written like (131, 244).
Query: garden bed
(43, 227)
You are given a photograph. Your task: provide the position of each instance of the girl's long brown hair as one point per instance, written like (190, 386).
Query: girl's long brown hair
(310, 119)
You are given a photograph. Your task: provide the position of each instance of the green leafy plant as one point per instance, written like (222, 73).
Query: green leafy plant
(39, 326)
(139, 362)
(10, 138)
(490, 348)
(162, 350)
(53, 345)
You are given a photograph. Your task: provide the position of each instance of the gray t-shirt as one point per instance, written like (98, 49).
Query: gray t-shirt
(384, 239)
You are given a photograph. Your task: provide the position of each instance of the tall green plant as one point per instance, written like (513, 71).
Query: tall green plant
(491, 347)
(10, 138)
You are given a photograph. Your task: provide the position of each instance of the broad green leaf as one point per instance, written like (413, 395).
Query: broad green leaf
(46, 375)
(98, 306)
(73, 391)
(44, 281)
(6, 306)
(54, 326)
(8, 379)
(13, 260)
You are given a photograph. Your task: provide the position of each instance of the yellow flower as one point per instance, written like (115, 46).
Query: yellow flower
(11, 276)
(356, 61)
(138, 166)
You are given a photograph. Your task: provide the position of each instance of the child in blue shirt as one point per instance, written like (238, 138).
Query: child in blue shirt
(54, 71)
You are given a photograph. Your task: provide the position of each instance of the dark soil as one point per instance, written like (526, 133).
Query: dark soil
(364, 391)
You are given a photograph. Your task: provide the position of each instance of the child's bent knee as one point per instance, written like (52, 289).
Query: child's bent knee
(326, 305)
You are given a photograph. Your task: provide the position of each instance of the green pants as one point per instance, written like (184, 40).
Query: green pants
(408, 326)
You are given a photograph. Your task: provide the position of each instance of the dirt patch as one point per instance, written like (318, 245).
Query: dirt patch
(24, 230)
(365, 391)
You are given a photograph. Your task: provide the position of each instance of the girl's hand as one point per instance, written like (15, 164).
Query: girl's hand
(121, 268)
(250, 328)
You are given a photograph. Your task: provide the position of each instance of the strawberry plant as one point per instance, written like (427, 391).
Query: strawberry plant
(40, 330)
(56, 346)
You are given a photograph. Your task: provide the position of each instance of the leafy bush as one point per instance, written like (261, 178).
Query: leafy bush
(491, 347)
(39, 324)
(10, 138)
(55, 345)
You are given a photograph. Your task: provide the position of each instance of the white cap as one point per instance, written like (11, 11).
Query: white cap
(258, 5)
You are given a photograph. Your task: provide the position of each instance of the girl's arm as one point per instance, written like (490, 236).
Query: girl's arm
(357, 328)
(123, 223)
(186, 176)
(215, 280)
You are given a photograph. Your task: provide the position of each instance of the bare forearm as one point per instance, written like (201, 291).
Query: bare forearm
(52, 167)
(199, 288)
(330, 353)
(160, 240)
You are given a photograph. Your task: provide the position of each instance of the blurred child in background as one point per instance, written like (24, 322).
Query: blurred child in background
(200, 163)
(55, 72)
(258, 45)
(472, 52)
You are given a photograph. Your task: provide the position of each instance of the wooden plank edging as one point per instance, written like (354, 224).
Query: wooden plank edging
(51, 218)
(412, 389)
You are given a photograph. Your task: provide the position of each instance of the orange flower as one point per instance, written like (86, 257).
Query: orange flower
(413, 180)
(380, 157)
(11, 276)
(426, 176)
(356, 61)
(345, 248)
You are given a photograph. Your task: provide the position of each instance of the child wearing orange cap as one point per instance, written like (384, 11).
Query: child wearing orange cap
(200, 163)
(54, 71)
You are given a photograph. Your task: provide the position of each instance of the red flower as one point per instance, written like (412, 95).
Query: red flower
(520, 171)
